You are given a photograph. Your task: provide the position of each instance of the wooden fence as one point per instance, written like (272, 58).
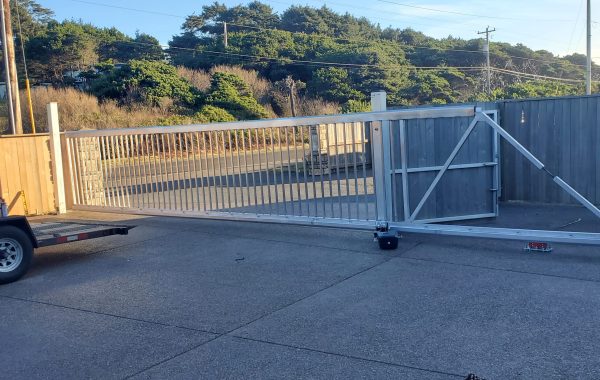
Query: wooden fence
(26, 181)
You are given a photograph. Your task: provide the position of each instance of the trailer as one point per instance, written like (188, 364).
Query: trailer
(19, 238)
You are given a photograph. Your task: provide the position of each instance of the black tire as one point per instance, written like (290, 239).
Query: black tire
(388, 243)
(14, 236)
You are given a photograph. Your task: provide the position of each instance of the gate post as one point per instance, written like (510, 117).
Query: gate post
(56, 158)
(380, 143)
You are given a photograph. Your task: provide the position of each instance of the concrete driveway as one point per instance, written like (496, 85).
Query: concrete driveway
(189, 298)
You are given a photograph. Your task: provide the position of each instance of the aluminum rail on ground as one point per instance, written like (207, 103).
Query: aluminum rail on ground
(587, 238)
(566, 237)
(419, 113)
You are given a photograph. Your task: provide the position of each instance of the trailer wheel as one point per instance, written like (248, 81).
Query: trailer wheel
(16, 252)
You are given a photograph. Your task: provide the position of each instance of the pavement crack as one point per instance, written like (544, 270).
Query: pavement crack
(309, 295)
(349, 356)
(172, 357)
(106, 314)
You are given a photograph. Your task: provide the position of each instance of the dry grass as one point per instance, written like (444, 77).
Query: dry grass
(314, 107)
(199, 79)
(79, 110)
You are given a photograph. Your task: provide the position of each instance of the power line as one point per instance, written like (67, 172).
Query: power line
(322, 63)
(254, 58)
(404, 45)
(536, 76)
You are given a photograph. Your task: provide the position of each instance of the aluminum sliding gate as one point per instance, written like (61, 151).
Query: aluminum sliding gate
(377, 170)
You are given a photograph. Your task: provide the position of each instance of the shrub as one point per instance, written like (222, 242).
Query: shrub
(147, 82)
(261, 88)
(212, 114)
(353, 106)
(230, 92)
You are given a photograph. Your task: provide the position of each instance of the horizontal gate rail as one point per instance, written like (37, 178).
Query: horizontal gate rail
(407, 114)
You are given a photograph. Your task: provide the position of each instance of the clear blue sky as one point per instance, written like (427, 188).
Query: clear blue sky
(554, 25)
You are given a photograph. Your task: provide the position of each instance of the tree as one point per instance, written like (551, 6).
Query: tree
(429, 88)
(124, 49)
(63, 46)
(255, 14)
(34, 17)
(147, 82)
(334, 84)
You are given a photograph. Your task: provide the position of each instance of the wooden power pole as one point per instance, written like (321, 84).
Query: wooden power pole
(486, 49)
(12, 68)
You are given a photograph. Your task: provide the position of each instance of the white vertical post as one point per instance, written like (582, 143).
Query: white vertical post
(588, 69)
(56, 158)
(380, 132)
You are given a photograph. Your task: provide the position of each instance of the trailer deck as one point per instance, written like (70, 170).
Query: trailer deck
(48, 234)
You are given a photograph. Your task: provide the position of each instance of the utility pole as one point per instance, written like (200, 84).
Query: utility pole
(291, 86)
(588, 74)
(9, 98)
(225, 38)
(486, 49)
(10, 57)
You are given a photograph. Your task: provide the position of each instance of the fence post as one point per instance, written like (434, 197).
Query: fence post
(56, 158)
(380, 131)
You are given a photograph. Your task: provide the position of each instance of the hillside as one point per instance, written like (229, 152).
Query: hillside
(328, 62)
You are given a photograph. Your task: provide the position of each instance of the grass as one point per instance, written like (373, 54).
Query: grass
(80, 110)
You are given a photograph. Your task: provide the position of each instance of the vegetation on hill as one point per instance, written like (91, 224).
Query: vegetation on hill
(328, 62)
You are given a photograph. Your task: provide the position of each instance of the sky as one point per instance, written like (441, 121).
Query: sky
(558, 26)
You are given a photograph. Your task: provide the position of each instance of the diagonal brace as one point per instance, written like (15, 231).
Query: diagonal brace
(442, 171)
(559, 181)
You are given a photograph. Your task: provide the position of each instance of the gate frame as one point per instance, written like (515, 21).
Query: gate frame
(380, 124)
(383, 150)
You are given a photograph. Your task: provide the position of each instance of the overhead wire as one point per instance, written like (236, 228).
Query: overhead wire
(537, 76)
(404, 45)
(312, 62)
(254, 58)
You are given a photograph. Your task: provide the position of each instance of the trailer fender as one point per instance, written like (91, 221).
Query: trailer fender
(21, 223)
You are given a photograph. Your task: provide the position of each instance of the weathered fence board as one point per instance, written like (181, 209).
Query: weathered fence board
(564, 133)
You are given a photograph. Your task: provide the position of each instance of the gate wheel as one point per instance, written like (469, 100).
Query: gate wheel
(16, 252)
(387, 243)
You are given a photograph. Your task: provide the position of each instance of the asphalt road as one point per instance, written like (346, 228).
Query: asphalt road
(188, 298)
